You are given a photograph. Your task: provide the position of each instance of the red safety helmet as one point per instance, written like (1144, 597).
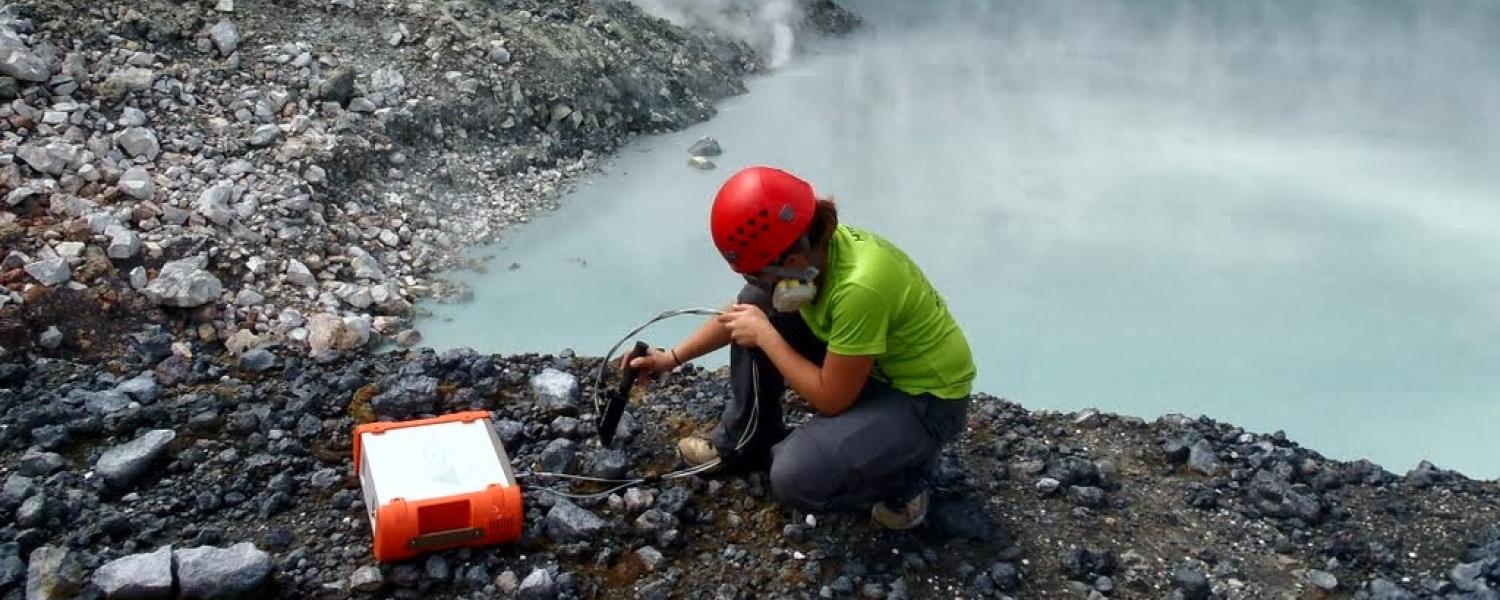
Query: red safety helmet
(758, 214)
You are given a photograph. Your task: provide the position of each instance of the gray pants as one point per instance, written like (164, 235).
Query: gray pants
(882, 448)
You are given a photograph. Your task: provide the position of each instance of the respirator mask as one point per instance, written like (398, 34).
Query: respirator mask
(792, 288)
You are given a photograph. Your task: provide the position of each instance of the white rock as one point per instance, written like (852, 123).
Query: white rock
(248, 297)
(184, 283)
(226, 37)
(136, 182)
(138, 279)
(213, 203)
(123, 243)
(69, 250)
(298, 274)
(52, 271)
(139, 142)
(315, 175)
(241, 341)
(51, 338)
(264, 135)
(365, 265)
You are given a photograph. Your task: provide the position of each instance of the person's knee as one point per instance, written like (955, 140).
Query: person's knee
(798, 479)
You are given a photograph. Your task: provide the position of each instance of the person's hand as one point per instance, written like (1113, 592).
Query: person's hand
(653, 363)
(748, 325)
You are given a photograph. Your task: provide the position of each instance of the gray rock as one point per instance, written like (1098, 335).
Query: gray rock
(51, 158)
(365, 265)
(208, 572)
(12, 568)
(53, 574)
(509, 431)
(184, 284)
(36, 463)
(338, 86)
(387, 80)
(298, 274)
(20, 194)
(123, 243)
(122, 464)
(556, 391)
(637, 500)
(105, 402)
(226, 37)
(51, 338)
(133, 79)
(248, 297)
(264, 135)
(1201, 458)
(257, 360)
(131, 116)
(409, 338)
(507, 582)
(436, 568)
(1047, 486)
(557, 457)
(136, 182)
(138, 576)
(701, 163)
(1468, 577)
(610, 464)
(537, 586)
(1322, 579)
(407, 397)
(33, 512)
(367, 579)
(705, 146)
(213, 203)
(651, 557)
(1382, 589)
(142, 388)
(16, 489)
(567, 522)
(1190, 579)
(139, 142)
(1088, 496)
(138, 279)
(52, 271)
(498, 54)
(18, 62)
(361, 104)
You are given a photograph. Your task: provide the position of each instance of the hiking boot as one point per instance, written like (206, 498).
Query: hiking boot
(697, 450)
(902, 516)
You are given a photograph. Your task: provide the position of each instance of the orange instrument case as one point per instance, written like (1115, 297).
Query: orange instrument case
(438, 483)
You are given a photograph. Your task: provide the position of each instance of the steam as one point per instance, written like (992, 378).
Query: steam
(768, 26)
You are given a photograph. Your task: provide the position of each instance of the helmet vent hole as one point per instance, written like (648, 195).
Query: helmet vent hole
(764, 213)
(752, 222)
(765, 226)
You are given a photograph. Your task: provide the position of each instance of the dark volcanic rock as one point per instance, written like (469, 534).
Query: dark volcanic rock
(567, 522)
(1190, 579)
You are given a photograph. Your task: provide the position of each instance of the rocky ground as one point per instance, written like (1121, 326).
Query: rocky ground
(295, 172)
(214, 208)
(163, 469)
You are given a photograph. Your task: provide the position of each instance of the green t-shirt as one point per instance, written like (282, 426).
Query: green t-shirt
(874, 301)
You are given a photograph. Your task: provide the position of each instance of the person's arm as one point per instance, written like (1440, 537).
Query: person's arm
(709, 337)
(830, 389)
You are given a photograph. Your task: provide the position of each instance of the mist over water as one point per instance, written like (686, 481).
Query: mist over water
(1281, 214)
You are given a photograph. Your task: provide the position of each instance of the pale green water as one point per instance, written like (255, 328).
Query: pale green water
(1287, 217)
